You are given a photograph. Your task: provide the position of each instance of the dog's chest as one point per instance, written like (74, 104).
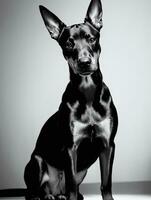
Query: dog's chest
(89, 125)
(89, 121)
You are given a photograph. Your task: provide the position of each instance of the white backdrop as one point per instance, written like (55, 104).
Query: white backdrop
(34, 74)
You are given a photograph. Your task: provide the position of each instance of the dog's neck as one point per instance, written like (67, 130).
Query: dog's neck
(87, 86)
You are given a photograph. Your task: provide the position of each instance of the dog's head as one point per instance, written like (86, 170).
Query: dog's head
(79, 42)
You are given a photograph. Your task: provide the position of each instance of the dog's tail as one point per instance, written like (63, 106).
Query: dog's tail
(13, 192)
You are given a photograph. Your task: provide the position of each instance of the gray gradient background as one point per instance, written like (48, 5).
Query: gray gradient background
(34, 74)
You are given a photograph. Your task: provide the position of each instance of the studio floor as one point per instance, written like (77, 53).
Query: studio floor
(97, 197)
(121, 191)
(121, 197)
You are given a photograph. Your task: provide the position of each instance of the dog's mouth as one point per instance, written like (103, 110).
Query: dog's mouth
(83, 70)
(87, 73)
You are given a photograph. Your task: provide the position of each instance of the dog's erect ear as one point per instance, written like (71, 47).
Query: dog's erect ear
(52, 22)
(94, 14)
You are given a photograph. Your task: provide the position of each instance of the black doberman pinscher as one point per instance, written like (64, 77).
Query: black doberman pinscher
(84, 127)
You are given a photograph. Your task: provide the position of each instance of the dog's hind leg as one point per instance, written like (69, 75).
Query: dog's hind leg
(32, 177)
(37, 179)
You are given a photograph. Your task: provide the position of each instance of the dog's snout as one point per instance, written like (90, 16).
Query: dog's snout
(84, 61)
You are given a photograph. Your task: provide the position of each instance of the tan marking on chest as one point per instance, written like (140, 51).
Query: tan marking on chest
(79, 127)
(107, 103)
(90, 116)
(105, 127)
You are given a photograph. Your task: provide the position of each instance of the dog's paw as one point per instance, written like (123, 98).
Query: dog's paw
(61, 197)
(108, 197)
(49, 197)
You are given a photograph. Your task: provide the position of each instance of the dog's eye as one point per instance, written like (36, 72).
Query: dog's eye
(92, 39)
(69, 44)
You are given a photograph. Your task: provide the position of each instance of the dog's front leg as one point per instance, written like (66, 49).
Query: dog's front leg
(73, 187)
(106, 163)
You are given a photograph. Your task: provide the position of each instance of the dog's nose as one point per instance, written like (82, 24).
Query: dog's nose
(84, 61)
